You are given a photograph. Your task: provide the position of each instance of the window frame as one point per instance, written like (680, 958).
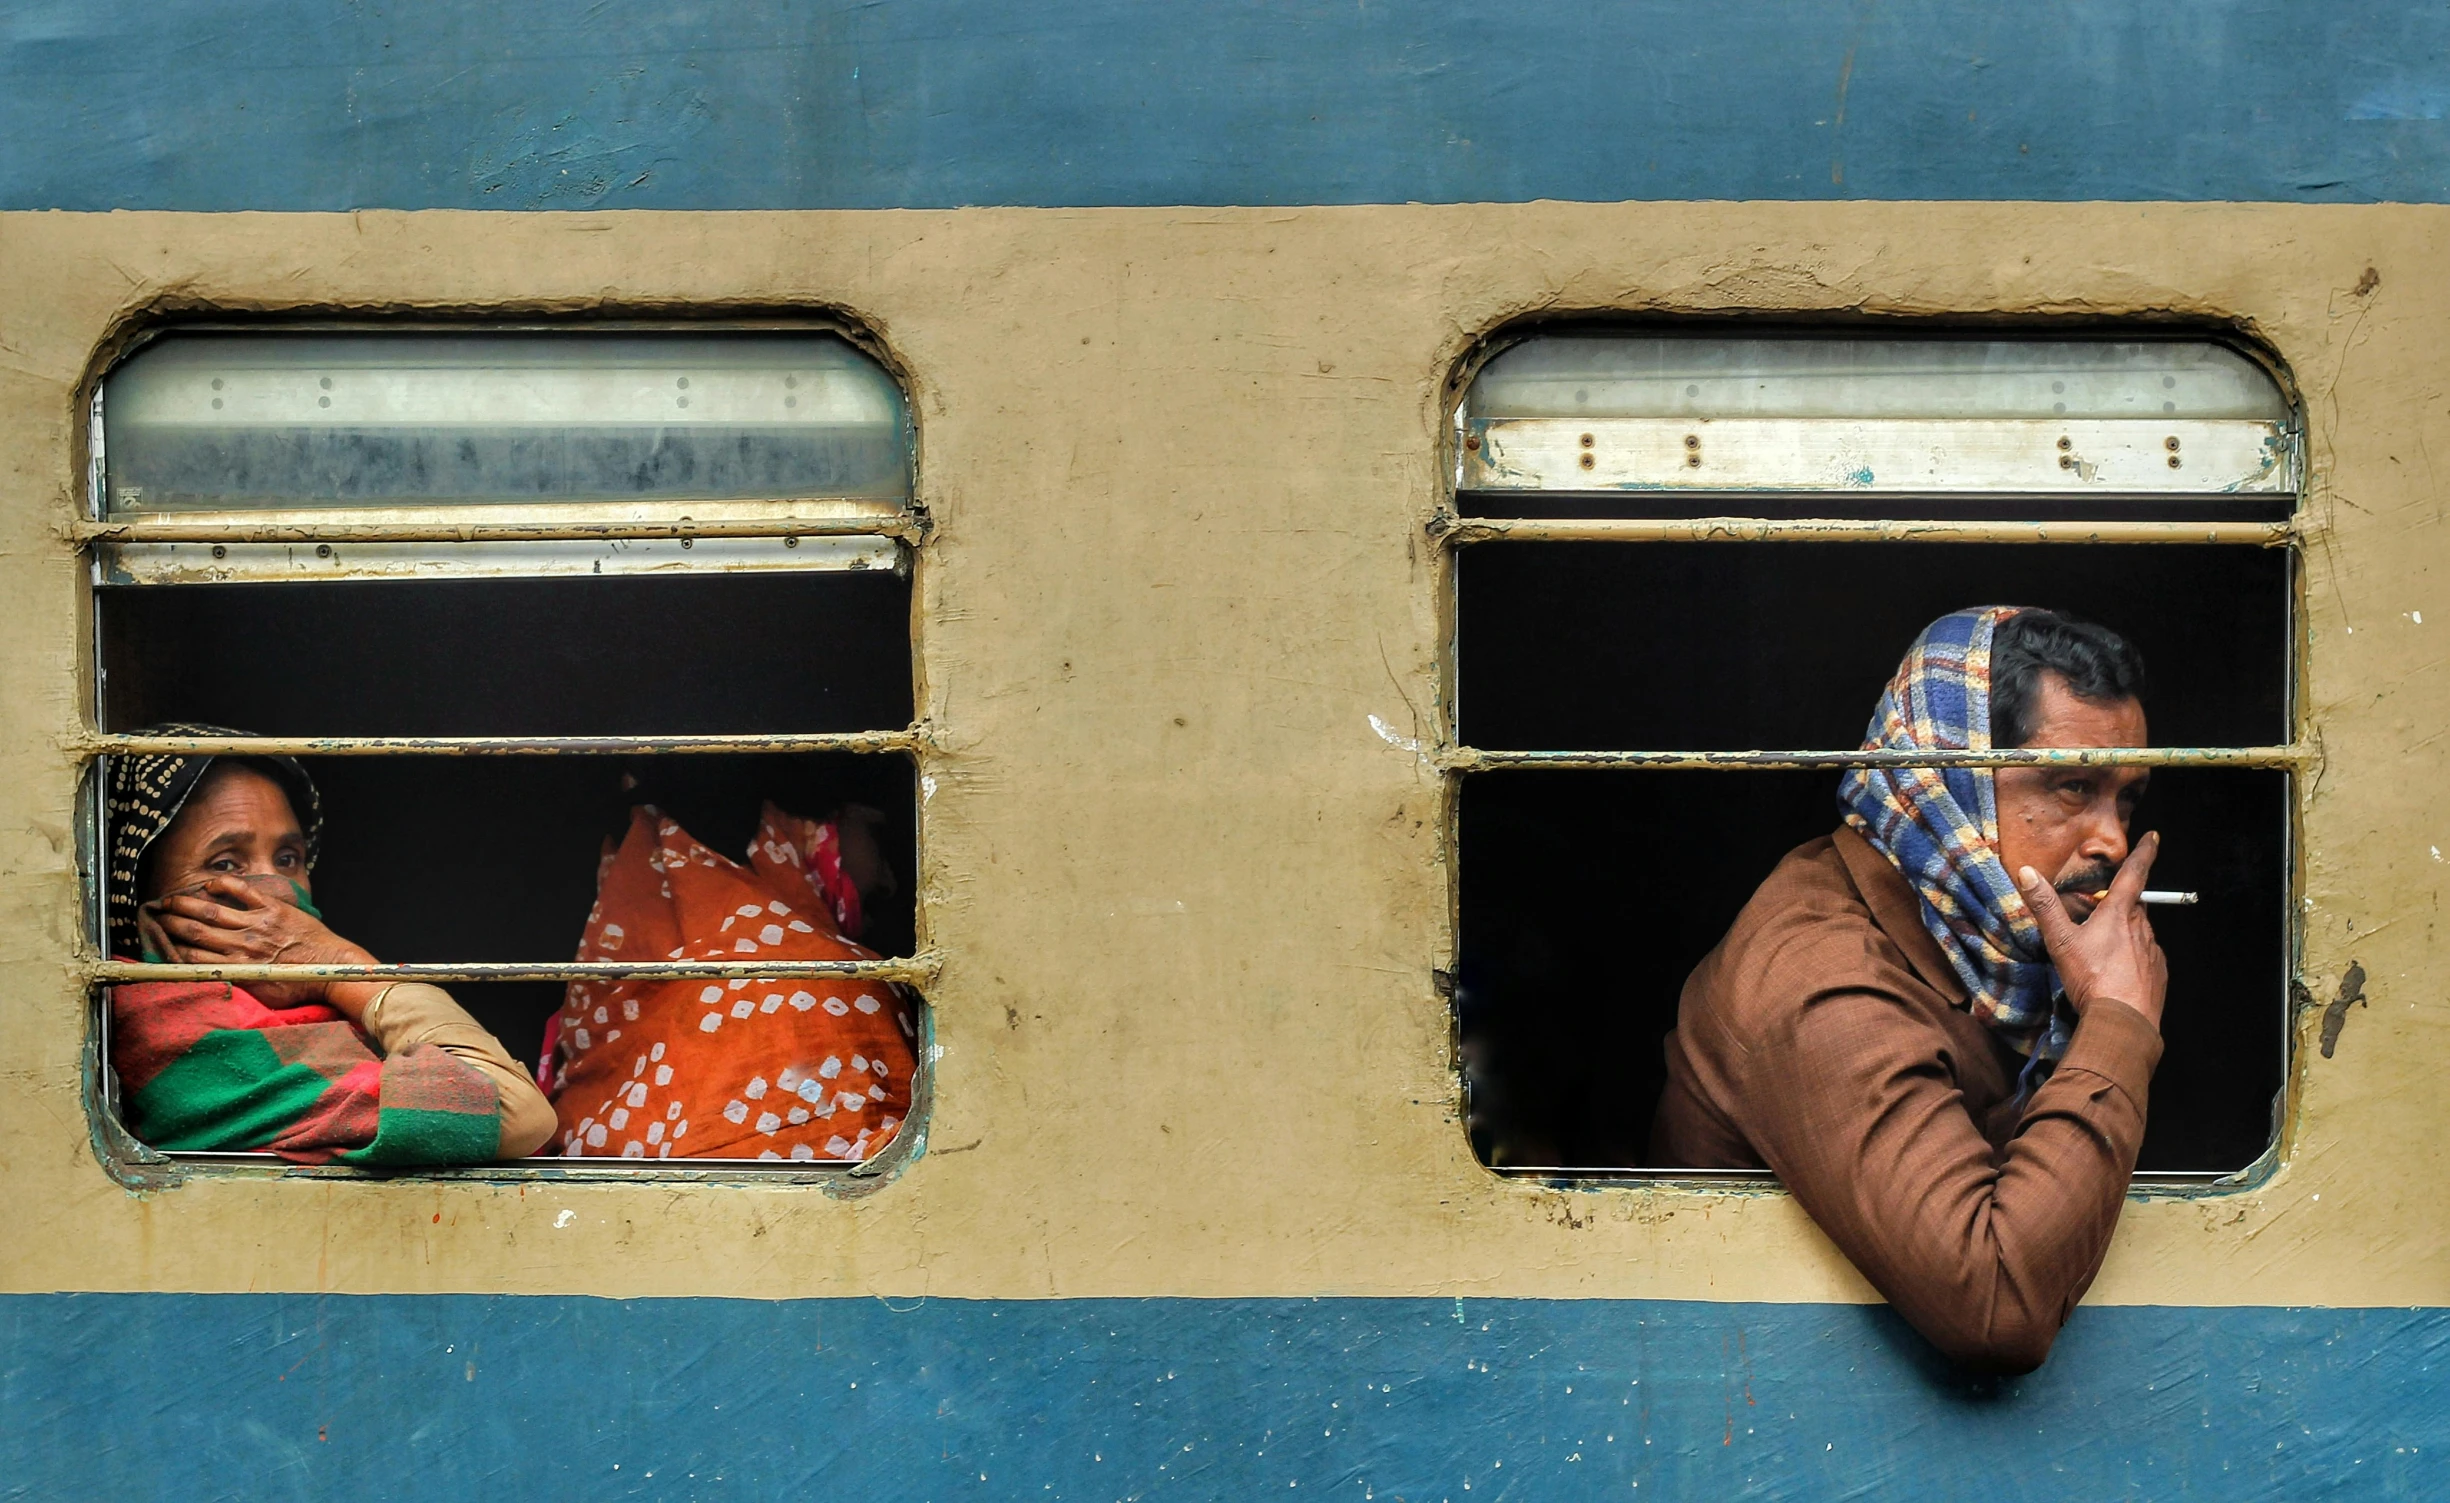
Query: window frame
(470, 537)
(1452, 528)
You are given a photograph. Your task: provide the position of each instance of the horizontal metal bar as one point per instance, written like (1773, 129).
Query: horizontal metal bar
(912, 738)
(123, 564)
(916, 970)
(1460, 530)
(907, 525)
(1473, 759)
(1865, 455)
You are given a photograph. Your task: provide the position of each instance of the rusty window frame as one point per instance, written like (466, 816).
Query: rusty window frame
(1449, 530)
(99, 539)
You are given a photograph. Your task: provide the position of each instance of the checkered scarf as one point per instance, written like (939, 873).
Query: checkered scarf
(204, 1067)
(1940, 827)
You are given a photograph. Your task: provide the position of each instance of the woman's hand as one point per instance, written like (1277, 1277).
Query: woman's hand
(2111, 956)
(228, 920)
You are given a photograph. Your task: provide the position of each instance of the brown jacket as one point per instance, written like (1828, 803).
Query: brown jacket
(1825, 1039)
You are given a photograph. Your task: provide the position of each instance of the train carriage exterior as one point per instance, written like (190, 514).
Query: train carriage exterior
(1182, 303)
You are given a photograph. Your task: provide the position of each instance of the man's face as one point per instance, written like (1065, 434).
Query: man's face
(237, 823)
(2070, 823)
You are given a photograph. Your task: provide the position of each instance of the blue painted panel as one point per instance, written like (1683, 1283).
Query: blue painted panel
(258, 1396)
(747, 104)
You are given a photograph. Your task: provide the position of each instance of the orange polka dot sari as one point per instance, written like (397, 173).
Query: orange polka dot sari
(780, 1070)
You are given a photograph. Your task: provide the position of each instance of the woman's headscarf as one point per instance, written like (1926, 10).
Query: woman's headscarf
(1940, 827)
(147, 793)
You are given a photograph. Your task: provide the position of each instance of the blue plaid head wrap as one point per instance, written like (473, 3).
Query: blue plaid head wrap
(1940, 827)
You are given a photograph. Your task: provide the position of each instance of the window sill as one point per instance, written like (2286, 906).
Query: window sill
(838, 1175)
(2146, 1185)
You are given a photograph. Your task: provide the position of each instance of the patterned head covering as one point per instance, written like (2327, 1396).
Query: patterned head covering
(1940, 827)
(148, 792)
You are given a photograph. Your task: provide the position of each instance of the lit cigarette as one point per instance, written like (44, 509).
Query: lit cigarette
(2154, 898)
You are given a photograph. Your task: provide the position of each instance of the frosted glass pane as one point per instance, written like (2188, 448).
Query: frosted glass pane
(1684, 376)
(228, 420)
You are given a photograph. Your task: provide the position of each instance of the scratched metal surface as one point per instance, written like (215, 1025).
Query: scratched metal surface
(296, 105)
(265, 1397)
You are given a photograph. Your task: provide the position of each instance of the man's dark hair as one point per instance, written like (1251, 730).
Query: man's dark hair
(2099, 665)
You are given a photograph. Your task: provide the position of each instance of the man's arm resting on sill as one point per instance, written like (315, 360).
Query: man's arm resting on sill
(1858, 1113)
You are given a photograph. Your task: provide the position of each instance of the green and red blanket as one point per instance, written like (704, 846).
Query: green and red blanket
(205, 1067)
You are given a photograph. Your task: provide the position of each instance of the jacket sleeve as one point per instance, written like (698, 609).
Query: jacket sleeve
(1859, 1113)
(413, 1013)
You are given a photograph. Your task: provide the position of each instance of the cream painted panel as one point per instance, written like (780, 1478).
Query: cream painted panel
(1191, 895)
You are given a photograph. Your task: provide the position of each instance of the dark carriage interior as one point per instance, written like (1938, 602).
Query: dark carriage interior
(493, 858)
(1587, 896)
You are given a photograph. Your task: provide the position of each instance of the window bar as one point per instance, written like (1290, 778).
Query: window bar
(1474, 759)
(910, 526)
(909, 739)
(914, 970)
(1461, 530)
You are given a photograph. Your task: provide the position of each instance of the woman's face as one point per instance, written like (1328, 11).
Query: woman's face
(237, 823)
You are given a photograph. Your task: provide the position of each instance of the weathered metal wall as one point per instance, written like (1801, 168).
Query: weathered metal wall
(1182, 464)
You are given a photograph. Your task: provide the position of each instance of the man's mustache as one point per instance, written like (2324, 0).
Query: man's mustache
(2088, 881)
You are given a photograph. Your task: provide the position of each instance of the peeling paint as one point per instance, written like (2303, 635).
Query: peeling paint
(1391, 737)
(2335, 1016)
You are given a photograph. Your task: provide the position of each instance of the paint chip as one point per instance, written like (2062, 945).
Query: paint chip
(1389, 735)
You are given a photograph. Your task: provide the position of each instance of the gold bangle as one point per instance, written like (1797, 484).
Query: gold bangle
(365, 1020)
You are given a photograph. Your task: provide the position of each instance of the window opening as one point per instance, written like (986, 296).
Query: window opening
(1662, 660)
(695, 653)
(495, 591)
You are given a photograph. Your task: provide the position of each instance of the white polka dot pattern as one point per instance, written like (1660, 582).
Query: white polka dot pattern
(780, 1063)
